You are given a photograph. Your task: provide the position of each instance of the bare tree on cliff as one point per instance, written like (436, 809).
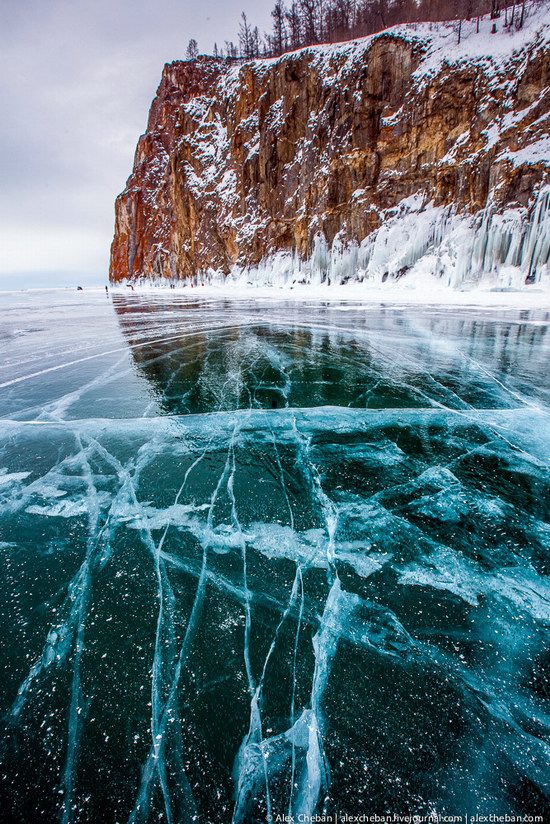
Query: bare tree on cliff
(279, 32)
(381, 11)
(231, 50)
(339, 19)
(465, 9)
(294, 26)
(308, 14)
(257, 43)
(245, 37)
(320, 22)
(192, 49)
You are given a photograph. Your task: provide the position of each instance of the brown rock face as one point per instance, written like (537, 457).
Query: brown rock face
(239, 162)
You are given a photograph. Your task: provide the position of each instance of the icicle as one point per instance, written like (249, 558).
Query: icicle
(319, 260)
(507, 249)
(536, 249)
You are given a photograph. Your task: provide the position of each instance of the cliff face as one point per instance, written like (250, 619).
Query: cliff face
(328, 147)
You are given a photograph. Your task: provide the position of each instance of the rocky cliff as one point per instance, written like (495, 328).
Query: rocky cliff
(368, 159)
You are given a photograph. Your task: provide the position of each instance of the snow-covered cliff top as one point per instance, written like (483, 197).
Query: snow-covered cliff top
(439, 42)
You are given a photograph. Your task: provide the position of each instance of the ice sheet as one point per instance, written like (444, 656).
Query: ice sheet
(223, 609)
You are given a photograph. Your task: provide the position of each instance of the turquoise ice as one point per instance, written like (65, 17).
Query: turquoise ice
(266, 558)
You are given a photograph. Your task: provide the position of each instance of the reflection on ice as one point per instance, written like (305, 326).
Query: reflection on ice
(338, 604)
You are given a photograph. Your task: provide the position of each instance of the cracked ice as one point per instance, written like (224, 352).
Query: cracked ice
(263, 559)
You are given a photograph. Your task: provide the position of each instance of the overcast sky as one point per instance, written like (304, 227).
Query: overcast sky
(76, 81)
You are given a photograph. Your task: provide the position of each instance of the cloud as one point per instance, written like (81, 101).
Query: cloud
(76, 82)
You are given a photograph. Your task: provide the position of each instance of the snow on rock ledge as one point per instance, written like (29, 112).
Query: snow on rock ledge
(385, 157)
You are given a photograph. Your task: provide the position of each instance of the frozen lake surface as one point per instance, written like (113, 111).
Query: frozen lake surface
(271, 558)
